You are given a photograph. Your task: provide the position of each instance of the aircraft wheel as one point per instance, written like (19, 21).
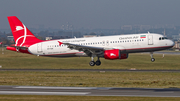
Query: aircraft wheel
(98, 63)
(91, 63)
(152, 59)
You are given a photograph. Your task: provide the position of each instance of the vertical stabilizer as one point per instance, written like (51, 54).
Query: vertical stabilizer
(22, 35)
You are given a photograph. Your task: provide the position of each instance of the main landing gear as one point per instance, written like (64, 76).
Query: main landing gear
(92, 63)
(152, 59)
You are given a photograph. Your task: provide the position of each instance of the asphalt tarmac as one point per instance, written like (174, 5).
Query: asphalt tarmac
(89, 91)
(91, 70)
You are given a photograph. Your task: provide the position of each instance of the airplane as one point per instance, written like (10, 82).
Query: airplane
(108, 47)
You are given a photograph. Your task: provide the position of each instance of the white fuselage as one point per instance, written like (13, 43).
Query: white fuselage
(145, 42)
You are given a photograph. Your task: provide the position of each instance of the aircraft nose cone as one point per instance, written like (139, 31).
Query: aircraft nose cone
(172, 43)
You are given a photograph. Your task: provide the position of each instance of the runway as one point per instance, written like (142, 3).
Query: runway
(89, 91)
(91, 70)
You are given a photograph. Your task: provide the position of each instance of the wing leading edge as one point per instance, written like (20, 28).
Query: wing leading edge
(89, 50)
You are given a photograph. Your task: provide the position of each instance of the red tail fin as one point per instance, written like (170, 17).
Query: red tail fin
(22, 35)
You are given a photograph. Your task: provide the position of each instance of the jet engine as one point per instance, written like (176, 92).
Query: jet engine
(115, 54)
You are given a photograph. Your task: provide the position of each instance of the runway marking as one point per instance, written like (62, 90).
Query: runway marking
(36, 87)
(44, 93)
(39, 87)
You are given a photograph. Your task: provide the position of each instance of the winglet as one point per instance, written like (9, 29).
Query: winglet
(60, 43)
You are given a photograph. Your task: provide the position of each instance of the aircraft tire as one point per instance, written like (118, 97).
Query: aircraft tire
(98, 63)
(91, 63)
(152, 59)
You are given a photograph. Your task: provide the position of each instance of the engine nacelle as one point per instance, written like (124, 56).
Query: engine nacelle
(114, 54)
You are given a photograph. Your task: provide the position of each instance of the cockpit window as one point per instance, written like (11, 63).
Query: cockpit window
(163, 38)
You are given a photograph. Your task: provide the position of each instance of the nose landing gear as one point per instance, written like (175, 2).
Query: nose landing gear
(152, 59)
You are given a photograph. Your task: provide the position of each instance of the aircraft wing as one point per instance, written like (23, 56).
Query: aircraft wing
(89, 50)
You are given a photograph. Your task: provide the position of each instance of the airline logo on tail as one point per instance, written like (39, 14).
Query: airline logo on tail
(19, 28)
(23, 36)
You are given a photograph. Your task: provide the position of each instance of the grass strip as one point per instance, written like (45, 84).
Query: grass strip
(13, 60)
(92, 79)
